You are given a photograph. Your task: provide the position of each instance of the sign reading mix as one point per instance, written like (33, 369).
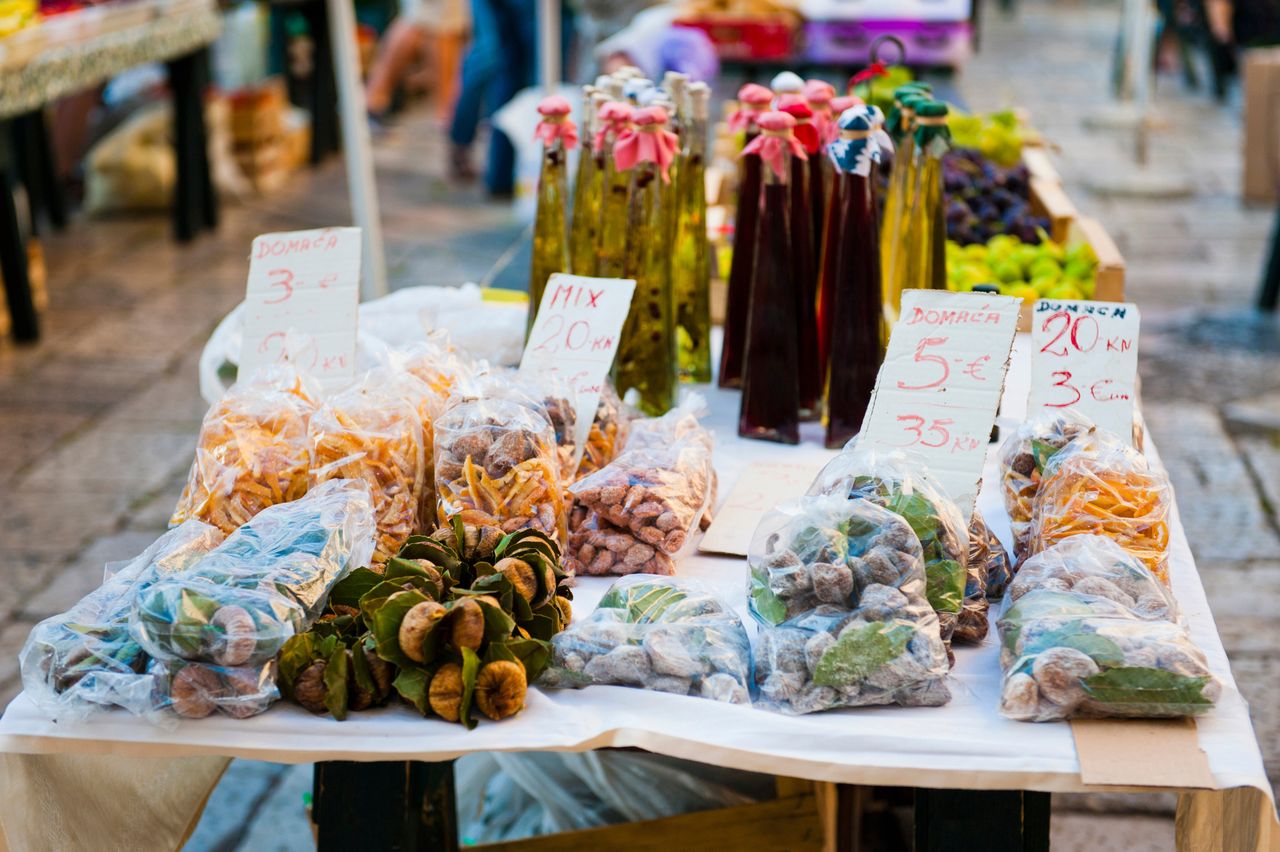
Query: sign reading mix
(939, 387)
(301, 303)
(1085, 356)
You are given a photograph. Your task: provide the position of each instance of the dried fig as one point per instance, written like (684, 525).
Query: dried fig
(565, 608)
(500, 689)
(521, 575)
(417, 626)
(193, 690)
(428, 567)
(249, 690)
(239, 636)
(466, 625)
(444, 695)
(383, 673)
(309, 689)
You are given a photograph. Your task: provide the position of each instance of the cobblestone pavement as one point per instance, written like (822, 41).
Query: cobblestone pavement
(97, 422)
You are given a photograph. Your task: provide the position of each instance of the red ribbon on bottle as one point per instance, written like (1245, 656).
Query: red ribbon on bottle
(775, 139)
(648, 141)
(556, 123)
(753, 101)
(805, 131)
(614, 117)
(875, 69)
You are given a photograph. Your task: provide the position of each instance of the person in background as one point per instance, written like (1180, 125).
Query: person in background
(653, 44)
(501, 61)
(406, 51)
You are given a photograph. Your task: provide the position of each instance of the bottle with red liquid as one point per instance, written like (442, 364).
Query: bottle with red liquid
(857, 315)
(770, 387)
(818, 94)
(829, 247)
(805, 277)
(753, 101)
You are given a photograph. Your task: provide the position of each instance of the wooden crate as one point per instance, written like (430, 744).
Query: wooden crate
(1048, 199)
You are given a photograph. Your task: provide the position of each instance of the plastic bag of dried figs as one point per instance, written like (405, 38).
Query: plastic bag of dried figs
(838, 586)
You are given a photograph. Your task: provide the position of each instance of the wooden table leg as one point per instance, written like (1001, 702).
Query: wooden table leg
(393, 805)
(33, 154)
(195, 205)
(13, 251)
(988, 820)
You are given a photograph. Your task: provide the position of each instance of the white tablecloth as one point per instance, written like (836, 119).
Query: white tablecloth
(965, 744)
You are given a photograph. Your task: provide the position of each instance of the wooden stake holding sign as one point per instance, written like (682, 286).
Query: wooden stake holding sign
(940, 385)
(575, 335)
(301, 303)
(1085, 356)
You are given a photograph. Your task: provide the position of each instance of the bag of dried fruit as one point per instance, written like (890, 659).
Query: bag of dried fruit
(902, 484)
(237, 605)
(435, 362)
(638, 512)
(1097, 485)
(839, 587)
(84, 659)
(1092, 632)
(1022, 460)
(372, 432)
(656, 633)
(252, 450)
(497, 464)
(608, 432)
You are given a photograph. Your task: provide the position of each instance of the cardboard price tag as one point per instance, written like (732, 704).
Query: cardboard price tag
(939, 388)
(576, 335)
(759, 488)
(1085, 356)
(301, 303)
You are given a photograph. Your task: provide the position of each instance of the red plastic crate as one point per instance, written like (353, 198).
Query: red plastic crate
(748, 39)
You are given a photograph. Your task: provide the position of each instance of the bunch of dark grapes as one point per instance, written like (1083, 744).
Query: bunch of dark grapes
(984, 199)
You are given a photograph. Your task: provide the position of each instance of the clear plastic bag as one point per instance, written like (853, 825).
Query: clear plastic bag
(1082, 652)
(372, 432)
(1022, 459)
(839, 587)
(435, 362)
(1097, 485)
(608, 433)
(497, 464)
(639, 511)
(252, 451)
(901, 484)
(238, 604)
(988, 554)
(84, 659)
(657, 633)
(196, 690)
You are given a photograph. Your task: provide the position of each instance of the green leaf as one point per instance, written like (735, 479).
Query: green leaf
(1138, 686)
(470, 668)
(1100, 649)
(533, 654)
(767, 605)
(859, 653)
(296, 654)
(544, 624)
(411, 684)
(360, 670)
(944, 583)
(499, 651)
(349, 590)
(385, 626)
(1042, 452)
(335, 683)
(497, 624)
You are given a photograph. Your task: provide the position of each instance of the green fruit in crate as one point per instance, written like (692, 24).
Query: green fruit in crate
(1044, 285)
(1044, 267)
(1065, 291)
(1078, 268)
(1007, 271)
(1025, 292)
(977, 252)
(1025, 256)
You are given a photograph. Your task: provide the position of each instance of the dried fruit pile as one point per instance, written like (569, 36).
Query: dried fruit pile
(457, 622)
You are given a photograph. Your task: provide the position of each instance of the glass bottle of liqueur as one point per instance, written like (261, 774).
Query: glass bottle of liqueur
(691, 272)
(827, 238)
(770, 390)
(818, 94)
(804, 282)
(856, 298)
(753, 101)
(645, 366)
(588, 190)
(613, 120)
(550, 236)
(926, 267)
(899, 204)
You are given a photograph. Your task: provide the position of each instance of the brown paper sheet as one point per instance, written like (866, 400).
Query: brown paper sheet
(761, 486)
(1141, 752)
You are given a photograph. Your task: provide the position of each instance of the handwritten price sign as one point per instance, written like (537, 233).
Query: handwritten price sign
(301, 301)
(940, 386)
(576, 335)
(1085, 356)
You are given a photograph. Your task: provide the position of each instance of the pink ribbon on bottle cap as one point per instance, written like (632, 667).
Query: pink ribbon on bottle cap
(753, 99)
(839, 104)
(614, 117)
(556, 123)
(775, 139)
(648, 141)
(819, 94)
(805, 131)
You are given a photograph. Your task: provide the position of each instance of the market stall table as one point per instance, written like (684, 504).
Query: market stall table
(963, 746)
(75, 51)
